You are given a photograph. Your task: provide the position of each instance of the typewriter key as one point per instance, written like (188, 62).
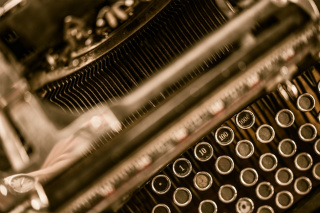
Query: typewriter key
(302, 185)
(244, 149)
(268, 162)
(207, 206)
(227, 193)
(265, 133)
(303, 161)
(317, 147)
(264, 190)
(224, 165)
(202, 181)
(160, 184)
(265, 209)
(291, 90)
(316, 171)
(284, 199)
(182, 196)
(224, 135)
(285, 118)
(284, 176)
(161, 208)
(244, 205)
(248, 177)
(283, 93)
(182, 167)
(245, 119)
(305, 102)
(287, 147)
(203, 151)
(307, 132)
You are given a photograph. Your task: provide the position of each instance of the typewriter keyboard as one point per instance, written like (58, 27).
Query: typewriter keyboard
(264, 159)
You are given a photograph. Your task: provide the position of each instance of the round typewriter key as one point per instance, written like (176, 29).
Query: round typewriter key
(265, 209)
(317, 147)
(265, 133)
(287, 147)
(248, 177)
(182, 167)
(268, 162)
(161, 184)
(303, 161)
(224, 165)
(224, 135)
(264, 190)
(245, 119)
(284, 176)
(284, 199)
(244, 205)
(161, 208)
(208, 206)
(203, 151)
(302, 185)
(305, 102)
(202, 181)
(244, 149)
(316, 171)
(307, 132)
(285, 118)
(227, 193)
(182, 196)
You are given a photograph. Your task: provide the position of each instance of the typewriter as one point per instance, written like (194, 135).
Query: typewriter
(171, 106)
